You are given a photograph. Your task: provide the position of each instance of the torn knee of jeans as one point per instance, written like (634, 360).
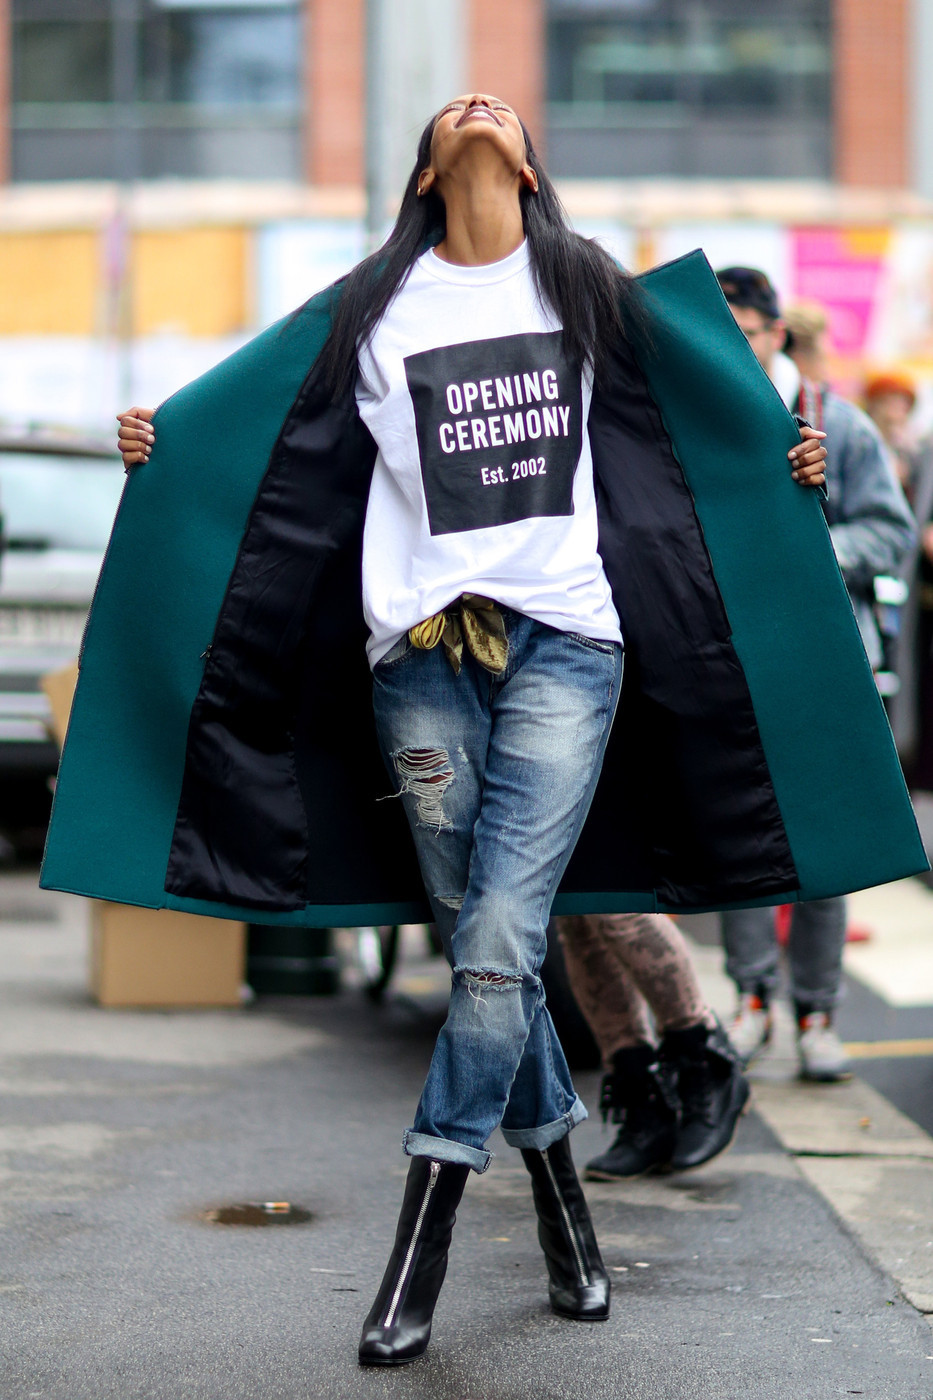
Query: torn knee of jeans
(451, 901)
(478, 980)
(426, 774)
(491, 979)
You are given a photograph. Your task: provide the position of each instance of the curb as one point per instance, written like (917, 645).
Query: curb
(871, 1163)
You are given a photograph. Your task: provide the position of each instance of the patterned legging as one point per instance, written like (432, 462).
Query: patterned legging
(619, 965)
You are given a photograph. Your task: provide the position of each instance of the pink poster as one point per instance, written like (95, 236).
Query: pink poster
(841, 268)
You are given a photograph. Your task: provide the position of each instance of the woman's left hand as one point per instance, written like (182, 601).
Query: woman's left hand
(808, 459)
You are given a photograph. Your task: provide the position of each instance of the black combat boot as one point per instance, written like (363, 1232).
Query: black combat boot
(578, 1283)
(712, 1090)
(398, 1327)
(640, 1098)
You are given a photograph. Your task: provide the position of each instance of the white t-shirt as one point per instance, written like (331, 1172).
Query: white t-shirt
(483, 481)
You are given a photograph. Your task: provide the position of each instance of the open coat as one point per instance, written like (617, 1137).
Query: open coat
(222, 757)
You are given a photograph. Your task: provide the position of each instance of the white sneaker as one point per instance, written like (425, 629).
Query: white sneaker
(822, 1056)
(750, 1029)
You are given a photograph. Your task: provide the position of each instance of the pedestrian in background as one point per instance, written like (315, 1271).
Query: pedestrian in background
(890, 397)
(807, 340)
(673, 1083)
(872, 531)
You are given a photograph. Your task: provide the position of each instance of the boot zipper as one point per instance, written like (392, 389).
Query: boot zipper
(410, 1253)
(584, 1276)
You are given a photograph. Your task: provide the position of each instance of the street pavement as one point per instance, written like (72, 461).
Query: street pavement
(781, 1271)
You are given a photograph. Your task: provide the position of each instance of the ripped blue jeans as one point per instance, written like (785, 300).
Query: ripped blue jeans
(496, 774)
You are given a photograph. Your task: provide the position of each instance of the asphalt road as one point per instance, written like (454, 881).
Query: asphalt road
(119, 1129)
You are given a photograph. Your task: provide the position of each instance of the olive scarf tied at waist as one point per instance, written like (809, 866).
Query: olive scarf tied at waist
(471, 619)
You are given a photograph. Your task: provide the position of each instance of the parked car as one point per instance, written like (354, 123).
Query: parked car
(58, 497)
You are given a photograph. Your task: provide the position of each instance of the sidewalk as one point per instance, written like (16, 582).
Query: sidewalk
(870, 1162)
(119, 1129)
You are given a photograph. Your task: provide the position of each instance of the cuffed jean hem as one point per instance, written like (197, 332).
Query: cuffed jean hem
(548, 1133)
(817, 1001)
(443, 1150)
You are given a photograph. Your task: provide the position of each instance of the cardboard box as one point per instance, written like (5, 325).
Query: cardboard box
(59, 686)
(159, 957)
(153, 957)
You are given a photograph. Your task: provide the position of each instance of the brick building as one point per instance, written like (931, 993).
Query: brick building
(176, 174)
(815, 89)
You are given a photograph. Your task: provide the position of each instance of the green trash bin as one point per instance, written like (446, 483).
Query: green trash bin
(296, 962)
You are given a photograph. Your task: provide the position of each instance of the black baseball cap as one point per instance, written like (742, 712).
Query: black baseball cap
(749, 286)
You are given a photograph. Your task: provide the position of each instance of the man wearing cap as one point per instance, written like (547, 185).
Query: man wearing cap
(872, 530)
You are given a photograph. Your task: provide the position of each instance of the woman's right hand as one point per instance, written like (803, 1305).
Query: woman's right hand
(136, 436)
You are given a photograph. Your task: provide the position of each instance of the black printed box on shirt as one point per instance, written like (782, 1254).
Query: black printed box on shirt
(500, 429)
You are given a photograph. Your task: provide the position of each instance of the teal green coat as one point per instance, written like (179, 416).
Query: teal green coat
(222, 758)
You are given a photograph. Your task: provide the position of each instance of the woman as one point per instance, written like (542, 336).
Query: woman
(495, 646)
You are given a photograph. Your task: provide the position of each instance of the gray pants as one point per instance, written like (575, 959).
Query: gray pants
(817, 938)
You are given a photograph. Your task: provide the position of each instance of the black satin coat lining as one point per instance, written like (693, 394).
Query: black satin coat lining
(282, 727)
(690, 799)
(241, 833)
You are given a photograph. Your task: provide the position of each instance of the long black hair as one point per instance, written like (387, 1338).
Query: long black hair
(590, 294)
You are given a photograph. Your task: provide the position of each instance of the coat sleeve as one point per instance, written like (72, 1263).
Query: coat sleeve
(870, 522)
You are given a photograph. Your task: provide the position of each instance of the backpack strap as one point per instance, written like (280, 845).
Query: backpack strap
(810, 403)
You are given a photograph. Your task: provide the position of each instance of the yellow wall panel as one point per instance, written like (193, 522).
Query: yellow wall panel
(192, 280)
(49, 282)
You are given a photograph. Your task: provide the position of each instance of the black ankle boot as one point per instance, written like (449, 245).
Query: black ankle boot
(639, 1095)
(712, 1090)
(578, 1283)
(398, 1327)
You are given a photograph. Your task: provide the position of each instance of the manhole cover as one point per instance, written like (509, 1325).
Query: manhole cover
(257, 1213)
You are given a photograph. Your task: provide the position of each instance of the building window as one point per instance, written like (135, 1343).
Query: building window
(222, 58)
(218, 88)
(61, 61)
(698, 88)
